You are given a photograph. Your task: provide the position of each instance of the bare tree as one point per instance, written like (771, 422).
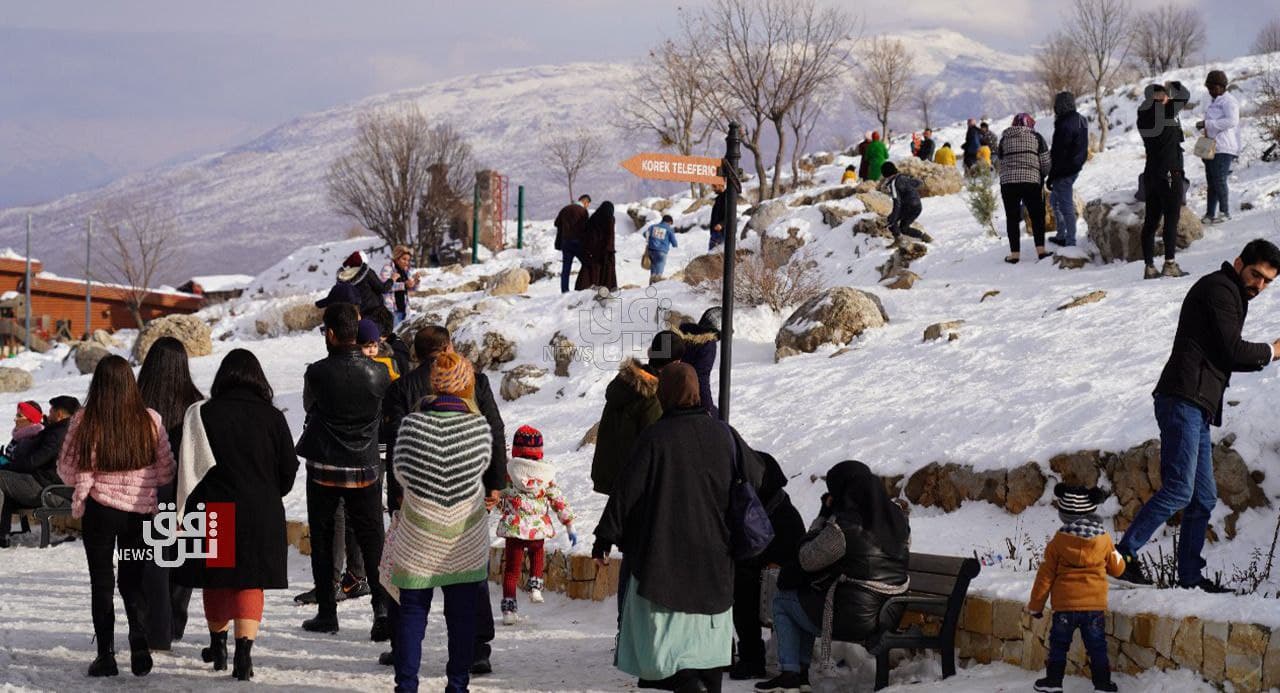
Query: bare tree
(803, 119)
(885, 73)
(570, 154)
(1058, 67)
(812, 56)
(139, 238)
(1100, 31)
(451, 181)
(1167, 37)
(378, 181)
(665, 99)
(1268, 40)
(926, 95)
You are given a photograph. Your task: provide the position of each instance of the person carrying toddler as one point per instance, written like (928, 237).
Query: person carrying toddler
(526, 505)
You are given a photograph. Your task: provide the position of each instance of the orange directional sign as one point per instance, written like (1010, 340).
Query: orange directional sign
(686, 169)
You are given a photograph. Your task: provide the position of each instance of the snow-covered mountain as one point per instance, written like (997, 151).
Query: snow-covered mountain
(241, 209)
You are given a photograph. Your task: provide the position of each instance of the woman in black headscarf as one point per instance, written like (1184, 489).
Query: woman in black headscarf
(852, 560)
(600, 268)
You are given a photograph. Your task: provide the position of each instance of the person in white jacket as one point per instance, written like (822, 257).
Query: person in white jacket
(1222, 124)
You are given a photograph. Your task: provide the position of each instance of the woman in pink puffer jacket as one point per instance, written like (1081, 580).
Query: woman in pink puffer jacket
(116, 455)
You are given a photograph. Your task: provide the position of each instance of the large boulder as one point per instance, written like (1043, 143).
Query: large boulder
(14, 379)
(708, 268)
(835, 316)
(87, 356)
(1050, 222)
(193, 332)
(492, 350)
(509, 282)
(767, 214)
(302, 317)
(776, 249)
(1115, 227)
(935, 179)
(522, 380)
(877, 202)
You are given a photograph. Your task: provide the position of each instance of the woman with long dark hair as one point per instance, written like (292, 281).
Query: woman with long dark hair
(167, 389)
(237, 450)
(117, 456)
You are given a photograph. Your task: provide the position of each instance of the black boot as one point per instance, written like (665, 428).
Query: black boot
(216, 652)
(243, 668)
(322, 623)
(105, 664)
(1052, 682)
(139, 655)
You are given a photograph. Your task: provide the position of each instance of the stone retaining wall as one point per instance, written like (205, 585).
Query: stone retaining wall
(1244, 654)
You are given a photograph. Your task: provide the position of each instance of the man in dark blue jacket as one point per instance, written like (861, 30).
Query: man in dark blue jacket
(34, 466)
(1207, 349)
(1069, 151)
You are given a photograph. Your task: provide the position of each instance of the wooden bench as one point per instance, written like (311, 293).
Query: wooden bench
(938, 588)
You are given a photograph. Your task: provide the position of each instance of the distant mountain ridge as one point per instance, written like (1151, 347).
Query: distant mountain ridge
(241, 210)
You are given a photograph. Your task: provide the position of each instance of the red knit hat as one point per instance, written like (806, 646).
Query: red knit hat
(31, 412)
(353, 260)
(527, 443)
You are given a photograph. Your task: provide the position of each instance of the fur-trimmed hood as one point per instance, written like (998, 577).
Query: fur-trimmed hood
(696, 335)
(527, 474)
(638, 378)
(353, 275)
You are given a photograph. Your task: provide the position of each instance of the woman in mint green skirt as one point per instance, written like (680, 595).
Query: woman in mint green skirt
(667, 515)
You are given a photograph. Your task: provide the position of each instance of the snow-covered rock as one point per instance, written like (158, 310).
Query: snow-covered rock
(836, 316)
(1115, 227)
(193, 332)
(935, 179)
(14, 379)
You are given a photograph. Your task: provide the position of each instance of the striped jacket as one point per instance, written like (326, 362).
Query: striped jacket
(1024, 156)
(440, 535)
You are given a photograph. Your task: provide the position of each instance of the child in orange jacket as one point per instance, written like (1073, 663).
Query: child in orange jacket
(1074, 572)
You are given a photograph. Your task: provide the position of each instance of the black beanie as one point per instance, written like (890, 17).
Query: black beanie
(888, 169)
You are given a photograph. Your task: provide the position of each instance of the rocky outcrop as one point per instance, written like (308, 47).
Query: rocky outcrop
(708, 268)
(493, 350)
(509, 282)
(828, 195)
(949, 329)
(193, 332)
(522, 380)
(87, 355)
(562, 353)
(1086, 299)
(776, 250)
(877, 202)
(947, 486)
(766, 214)
(1115, 227)
(14, 379)
(836, 316)
(935, 179)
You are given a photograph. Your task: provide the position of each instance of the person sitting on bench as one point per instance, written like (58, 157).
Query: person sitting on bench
(33, 467)
(851, 562)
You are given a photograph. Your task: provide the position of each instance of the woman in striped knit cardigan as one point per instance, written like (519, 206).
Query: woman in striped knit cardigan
(439, 537)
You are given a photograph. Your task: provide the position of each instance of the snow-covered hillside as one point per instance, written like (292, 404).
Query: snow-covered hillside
(240, 208)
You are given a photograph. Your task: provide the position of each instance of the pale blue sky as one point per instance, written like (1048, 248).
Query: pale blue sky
(97, 89)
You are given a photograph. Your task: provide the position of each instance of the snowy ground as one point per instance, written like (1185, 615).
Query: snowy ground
(1023, 382)
(564, 645)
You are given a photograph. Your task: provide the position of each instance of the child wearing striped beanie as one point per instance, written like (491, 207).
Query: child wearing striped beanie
(1074, 572)
(528, 501)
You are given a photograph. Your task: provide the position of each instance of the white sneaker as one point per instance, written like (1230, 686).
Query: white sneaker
(535, 596)
(510, 618)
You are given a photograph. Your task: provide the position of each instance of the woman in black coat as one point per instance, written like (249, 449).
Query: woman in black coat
(165, 382)
(853, 559)
(600, 268)
(701, 342)
(238, 450)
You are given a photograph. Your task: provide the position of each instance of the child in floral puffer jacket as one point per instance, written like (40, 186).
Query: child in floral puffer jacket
(527, 502)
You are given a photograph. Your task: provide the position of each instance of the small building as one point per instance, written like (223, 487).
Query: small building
(58, 303)
(218, 288)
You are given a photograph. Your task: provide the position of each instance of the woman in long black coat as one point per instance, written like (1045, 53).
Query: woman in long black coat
(600, 268)
(237, 449)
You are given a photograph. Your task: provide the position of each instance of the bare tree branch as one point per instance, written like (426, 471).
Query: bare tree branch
(926, 95)
(1268, 40)
(1167, 37)
(1100, 31)
(140, 238)
(1058, 67)
(569, 155)
(885, 73)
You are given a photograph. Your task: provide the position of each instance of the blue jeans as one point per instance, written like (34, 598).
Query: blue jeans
(657, 263)
(568, 251)
(398, 317)
(409, 618)
(1062, 200)
(1186, 483)
(794, 631)
(1216, 172)
(1092, 625)
(717, 238)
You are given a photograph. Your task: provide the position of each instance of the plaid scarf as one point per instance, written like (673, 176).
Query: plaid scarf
(1087, 527)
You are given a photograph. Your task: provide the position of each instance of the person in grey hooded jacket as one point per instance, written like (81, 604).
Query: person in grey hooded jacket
(1067, 154)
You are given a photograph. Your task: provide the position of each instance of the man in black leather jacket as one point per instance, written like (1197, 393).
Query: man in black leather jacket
(342, 396)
